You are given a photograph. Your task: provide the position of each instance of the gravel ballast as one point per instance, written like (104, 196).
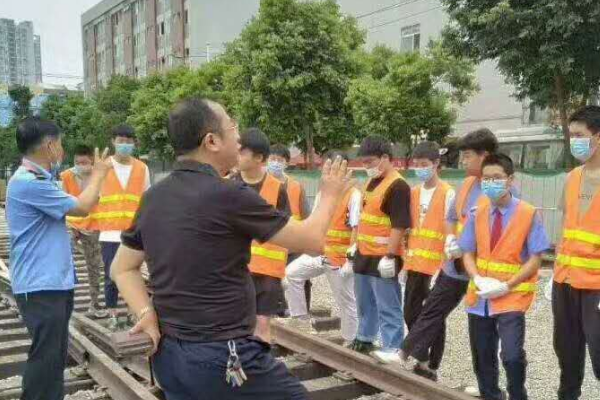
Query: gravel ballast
(456, 371)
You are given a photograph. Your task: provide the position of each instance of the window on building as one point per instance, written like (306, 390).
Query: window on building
(187, 51)
(186, 17)
(162, 28)
(410, 38)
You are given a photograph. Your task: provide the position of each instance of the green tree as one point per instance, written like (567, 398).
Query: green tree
(21, 95)
(157, 94)
(548, 49)
(114, 100)
(410, 96)
(80, 120)
(9, 154)
(290, 72)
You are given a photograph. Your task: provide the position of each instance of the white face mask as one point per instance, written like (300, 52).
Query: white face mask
(374, 172)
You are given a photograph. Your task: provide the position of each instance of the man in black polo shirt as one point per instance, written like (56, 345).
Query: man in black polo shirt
(194, 230)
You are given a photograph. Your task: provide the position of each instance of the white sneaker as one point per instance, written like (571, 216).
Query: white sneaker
(386, 357)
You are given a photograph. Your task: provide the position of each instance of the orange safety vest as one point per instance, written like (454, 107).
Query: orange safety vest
(339, 234)
(266, 258)
(375, 227)
(461, 200)
(426, 241)
(294, 192)
(578, 256)
(71, 186)
(504, 261)
(117, 206)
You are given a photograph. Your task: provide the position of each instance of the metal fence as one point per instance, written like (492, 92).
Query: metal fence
(541, 190)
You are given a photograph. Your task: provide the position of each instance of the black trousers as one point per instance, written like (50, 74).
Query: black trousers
(46, 315)
(427, 336)
(111, 292)
(576, 323)
(485, 333)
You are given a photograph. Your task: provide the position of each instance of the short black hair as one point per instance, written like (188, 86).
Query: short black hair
(123, 130)
(375, 145)
(83, 150)
(479, 141)
(428, 150)
(499, 159)
(189, 121)
(588, 115)
(256, 141)
(281, 150)
(333, 154)
(32, 130)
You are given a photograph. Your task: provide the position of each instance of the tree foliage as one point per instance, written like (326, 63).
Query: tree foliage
(114, 100)
(409, 96)
(79, 119)
(21, 96)
(290, 70)
(158, 93)
(548, 49)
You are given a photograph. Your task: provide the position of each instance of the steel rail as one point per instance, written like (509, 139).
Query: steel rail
(362, 368)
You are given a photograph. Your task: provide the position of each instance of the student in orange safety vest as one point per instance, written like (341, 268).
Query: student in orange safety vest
(383, 221)
(279, 159)
(74, 181)
(267, 262)
(341, 237)
(576, 287)
(119, 201)
(430, 202)
(502, 243)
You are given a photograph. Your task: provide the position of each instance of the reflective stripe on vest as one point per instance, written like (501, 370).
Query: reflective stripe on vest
(71, 186)
(266, 258)
(339, 234)
(426, 237)
(375, 227)
(578, 254)
(270, 254)
(117, 205)
(504, 261)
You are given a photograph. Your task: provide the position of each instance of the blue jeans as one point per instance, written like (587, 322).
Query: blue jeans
(196, 371)
(46, 315)
(379, 307)
(111, 292)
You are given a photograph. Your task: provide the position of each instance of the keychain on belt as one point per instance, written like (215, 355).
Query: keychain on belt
(235, 374)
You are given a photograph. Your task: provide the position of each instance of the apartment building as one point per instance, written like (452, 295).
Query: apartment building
(20, 53)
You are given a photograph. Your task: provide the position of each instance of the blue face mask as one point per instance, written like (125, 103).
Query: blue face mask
(581, 148)
(276, 168)
(124, 149)
(424, 174)
(494, 189)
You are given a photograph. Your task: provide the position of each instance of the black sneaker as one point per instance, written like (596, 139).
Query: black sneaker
(362, 347)
(425, 373)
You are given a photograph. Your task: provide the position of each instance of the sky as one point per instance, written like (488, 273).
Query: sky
(58, 22)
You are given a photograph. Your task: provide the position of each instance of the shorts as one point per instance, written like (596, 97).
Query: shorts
(269, 295)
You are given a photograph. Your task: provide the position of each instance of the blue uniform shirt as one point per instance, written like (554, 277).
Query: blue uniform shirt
(40, 247)
(537, 242)
(452, 218)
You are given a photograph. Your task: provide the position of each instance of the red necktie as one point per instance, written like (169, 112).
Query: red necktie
(496, 229)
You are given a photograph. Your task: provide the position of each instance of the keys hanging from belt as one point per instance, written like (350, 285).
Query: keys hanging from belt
(234, 375)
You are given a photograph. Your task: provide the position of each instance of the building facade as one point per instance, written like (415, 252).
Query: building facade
(20, 53)
(136, 37)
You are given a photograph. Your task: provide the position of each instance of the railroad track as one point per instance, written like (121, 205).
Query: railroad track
(112, 365)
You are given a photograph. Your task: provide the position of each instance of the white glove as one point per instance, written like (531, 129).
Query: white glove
(548, 290)
(284, 283)
(483, 283)
(497, 289)
(351, 252)
(451, 248)
(387, 267)
(347, 269)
